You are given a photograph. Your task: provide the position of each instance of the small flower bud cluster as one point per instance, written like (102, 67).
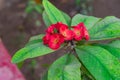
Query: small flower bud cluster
(58, 33)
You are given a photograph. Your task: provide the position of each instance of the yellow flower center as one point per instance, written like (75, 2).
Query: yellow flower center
(78, 33)
(55, 41)
(64, 34)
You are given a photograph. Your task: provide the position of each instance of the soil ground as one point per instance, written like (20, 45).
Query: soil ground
(16, 29)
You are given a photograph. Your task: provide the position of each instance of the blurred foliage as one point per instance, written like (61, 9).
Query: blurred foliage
(34, 5)
(19, 65)
(34, 8)
(84, 6)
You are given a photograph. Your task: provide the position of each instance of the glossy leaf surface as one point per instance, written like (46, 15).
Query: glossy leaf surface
(99, 62)
(31, 51)
(54, 14)
(65, 68)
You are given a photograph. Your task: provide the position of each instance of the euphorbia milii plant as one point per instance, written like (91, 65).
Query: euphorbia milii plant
(94, 46)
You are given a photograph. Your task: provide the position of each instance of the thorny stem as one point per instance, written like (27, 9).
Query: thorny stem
(72, 45)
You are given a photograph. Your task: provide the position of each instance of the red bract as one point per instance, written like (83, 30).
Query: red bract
(68, 34)
(55, 27)
(64, 31)
(46, 39)
(50, 29)
(58, 25)
(57, 33)
(80, 32)
(55, 41)
(86, 35)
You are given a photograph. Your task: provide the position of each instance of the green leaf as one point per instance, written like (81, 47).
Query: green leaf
(67, 17)
(35, 39)
(114, 51)
(48, 22)
(115, 44)
(31, 51)
(89, 21)
(107, 28)
(99, 62)
(53, 13)
(65, 68)
(46, 19)
(29, 9)
(39, 8)
(113, 48)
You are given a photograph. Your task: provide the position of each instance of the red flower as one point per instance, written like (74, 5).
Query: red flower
(46, 38)
(80, 32)
(68, 34)
(86, 35)
(55, 41)
(58, 25)
(54, 28)
(50, 29)
(57, 33)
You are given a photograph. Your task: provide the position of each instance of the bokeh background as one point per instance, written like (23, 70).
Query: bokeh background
(17, 26)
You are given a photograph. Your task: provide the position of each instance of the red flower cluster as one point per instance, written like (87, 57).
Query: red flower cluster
(57, 33)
